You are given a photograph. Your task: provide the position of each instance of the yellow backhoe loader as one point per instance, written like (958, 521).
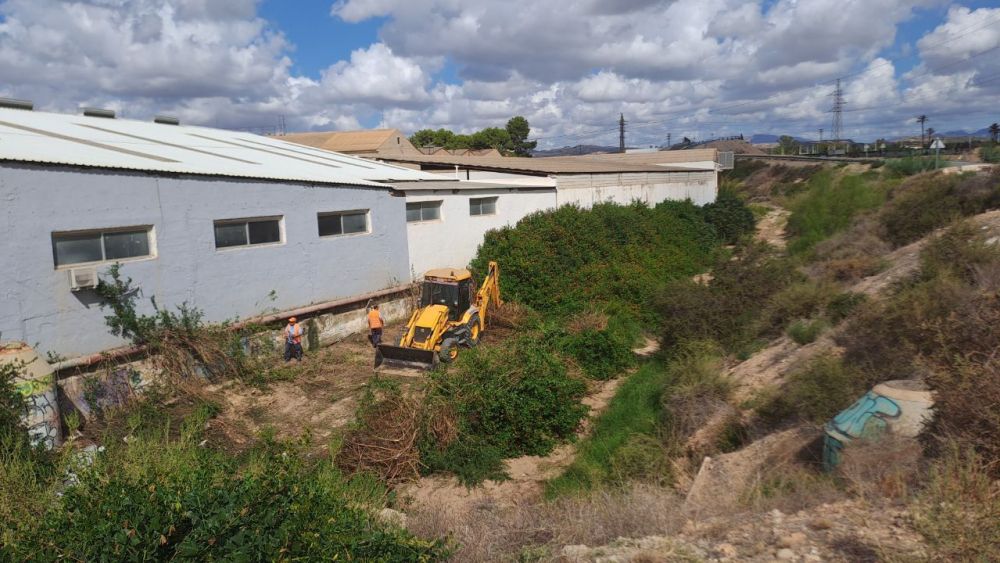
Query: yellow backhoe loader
(452, 313)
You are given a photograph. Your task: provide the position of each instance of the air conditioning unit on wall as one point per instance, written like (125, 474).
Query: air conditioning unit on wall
(82, 278)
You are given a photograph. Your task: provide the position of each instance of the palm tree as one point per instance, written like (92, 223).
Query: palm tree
(994, 132)
(922, 119)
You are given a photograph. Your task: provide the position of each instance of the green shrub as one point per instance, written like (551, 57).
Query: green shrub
(799, 300)
(641, 458)
(730, 216)
(599, 354)
(567, 260)
(815, 393)
(742, 169)
(923, 203)
(908, 166)
(806, 331)
(507, 401)
(990, 153)
(843, 304)
(159, 497)
(828, 205)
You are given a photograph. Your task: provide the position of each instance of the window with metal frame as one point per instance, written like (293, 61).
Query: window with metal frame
(231, 233)
(423, 211)
(337, 223)
(482, 206)
(110, 245)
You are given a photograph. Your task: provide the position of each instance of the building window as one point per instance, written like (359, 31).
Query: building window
(342, 223)
(423, 211)
(482, 206)
(81, 247)
(247, 232)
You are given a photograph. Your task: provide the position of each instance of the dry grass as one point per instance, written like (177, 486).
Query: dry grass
(510, 315)
(385, 443)
(790, 487)
(588, 320)
(852, 254)
(887, 466)
(492, 533)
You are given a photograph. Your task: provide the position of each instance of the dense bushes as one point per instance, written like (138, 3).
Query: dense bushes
(921, 204)
(730, 216)
(158, 497)
(503, 401)
(566, 260)
(729, 308)
(908, 166)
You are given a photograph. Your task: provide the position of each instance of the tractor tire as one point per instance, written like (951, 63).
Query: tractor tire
(449, 350)
(474, 332)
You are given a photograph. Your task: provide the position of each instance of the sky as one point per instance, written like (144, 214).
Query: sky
(695, 68)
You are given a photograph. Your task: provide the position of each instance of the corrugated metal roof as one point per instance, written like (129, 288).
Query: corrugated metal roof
(52, 138)
(552, 165)
(344, 141)
(428, 185)
(655, 157)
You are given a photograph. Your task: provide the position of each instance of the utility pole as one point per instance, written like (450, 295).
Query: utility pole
(838, 112)
(621, 133)
(921, 119)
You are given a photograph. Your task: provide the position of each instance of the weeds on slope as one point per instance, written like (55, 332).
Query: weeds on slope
(828, 204)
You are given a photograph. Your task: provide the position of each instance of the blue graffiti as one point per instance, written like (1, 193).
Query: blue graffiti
(866, 418)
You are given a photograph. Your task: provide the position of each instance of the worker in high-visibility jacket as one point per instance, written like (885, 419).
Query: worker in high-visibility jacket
(375, 324)
(293, 340)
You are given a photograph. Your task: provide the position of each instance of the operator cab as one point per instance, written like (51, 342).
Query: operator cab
(451, 288)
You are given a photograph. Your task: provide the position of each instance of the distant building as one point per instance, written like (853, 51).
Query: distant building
(358, 143)
(589, 179)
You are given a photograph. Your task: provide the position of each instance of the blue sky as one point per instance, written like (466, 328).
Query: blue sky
(679, 67)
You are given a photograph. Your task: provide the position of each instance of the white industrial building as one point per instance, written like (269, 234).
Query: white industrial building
(590, 179)
(446, 221)
(232, 223)
(240, 225)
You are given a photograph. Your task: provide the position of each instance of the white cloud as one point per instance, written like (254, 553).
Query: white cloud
(688, 67)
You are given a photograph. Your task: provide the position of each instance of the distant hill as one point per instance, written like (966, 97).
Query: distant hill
(771, 138)
(578, 149)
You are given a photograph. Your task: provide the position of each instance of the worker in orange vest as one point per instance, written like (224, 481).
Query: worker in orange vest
(375, 324)
(293, 340)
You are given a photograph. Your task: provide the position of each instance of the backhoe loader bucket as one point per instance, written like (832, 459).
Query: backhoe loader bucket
(400, 357)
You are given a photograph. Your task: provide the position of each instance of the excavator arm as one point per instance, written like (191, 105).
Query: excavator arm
(488, 295)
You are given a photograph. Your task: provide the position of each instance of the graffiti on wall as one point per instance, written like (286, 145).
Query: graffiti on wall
(42, 412)
(868, 417)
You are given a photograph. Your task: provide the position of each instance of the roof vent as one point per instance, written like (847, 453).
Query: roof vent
(99, 112)
(166, 120)
(11, 103)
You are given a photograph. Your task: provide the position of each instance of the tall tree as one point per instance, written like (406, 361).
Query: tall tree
(930, 133)
(490, 138)
(518, 131)
(788, 144)
(921, 119)
(994, 132)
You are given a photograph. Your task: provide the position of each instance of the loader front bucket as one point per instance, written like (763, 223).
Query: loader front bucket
(400, 357)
